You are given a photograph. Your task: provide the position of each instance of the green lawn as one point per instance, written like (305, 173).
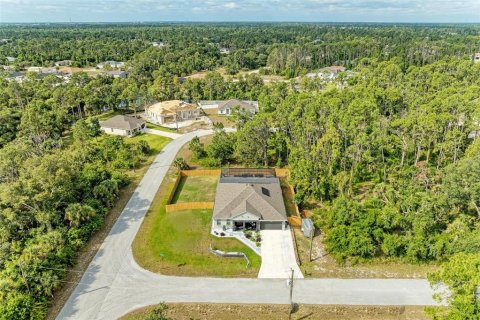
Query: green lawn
(157, 127)
(177, 244)
(196, 189)
(155, 142)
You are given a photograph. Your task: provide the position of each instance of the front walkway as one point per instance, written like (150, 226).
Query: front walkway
(278, 255)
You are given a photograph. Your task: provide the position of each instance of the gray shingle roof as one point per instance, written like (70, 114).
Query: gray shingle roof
(249, 105)
(122, 122)
(262, 199)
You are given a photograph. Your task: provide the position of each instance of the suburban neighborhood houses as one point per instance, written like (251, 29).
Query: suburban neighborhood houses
(172, 111)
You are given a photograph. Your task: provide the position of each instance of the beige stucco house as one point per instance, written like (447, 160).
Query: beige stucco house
(171, 111)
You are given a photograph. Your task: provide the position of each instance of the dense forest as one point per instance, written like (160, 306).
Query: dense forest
(384, 158)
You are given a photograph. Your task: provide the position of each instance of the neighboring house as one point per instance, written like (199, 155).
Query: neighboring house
(112, 64)
(117, 73)
(474, 135)
(42, 70)
(16, 76)
(328, 73)
(123, 126)
(171, 111)
(159, 44)
(63, 63)
(335, 69)
(224, 50)
(249, 199)
(11, 59)
(226, 107)
(476, 57)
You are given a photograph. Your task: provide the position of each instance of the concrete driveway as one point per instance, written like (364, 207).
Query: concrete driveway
(278, 255)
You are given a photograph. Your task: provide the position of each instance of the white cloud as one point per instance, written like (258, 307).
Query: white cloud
(312, 10)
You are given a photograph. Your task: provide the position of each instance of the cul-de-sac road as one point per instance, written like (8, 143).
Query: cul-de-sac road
(114, 284)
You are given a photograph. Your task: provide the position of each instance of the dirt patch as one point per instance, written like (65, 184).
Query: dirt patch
(202, 311)
(325, 266)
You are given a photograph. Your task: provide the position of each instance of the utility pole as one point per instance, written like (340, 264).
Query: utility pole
(311, 243)
(291, 294)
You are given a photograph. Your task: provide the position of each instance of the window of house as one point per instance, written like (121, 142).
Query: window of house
(218, 223)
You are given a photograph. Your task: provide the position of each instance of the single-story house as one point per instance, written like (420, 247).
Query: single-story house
(63, 63)
(224, 50)
(123, 125)
(474, 135)
(476, 57)
(249, 199)
(159, 44)
(171, 111)
(226, 107)
(117, 73)
(111, 63)
(16, 76)
(11, 59)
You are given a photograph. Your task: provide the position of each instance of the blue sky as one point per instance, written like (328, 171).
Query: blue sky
(240, 10)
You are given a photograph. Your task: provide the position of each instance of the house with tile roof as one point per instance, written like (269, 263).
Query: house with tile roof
(172, 111)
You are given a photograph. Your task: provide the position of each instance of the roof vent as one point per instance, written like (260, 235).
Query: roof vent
(266, 192)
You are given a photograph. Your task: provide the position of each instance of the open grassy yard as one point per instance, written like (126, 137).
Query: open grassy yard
(196, 189)
(187, 311)
(157, 127)
(177, 243)
(325, 266)
(155, 142)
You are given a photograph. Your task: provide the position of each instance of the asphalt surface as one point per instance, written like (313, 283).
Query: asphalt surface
(114, 284)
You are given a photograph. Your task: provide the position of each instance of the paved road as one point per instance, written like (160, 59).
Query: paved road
(114, 284)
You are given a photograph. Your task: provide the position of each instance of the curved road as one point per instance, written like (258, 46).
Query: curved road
(114, 284)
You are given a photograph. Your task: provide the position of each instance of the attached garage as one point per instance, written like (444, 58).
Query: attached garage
(271, 225)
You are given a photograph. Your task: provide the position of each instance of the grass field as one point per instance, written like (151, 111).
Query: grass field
(155, 142)
(157, 127)
(177, 243)
(187, 311)
(196, 189)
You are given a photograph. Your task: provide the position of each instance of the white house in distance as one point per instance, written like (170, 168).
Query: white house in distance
(226, 107)
(172, 111)
(476, 57)
(112, 64)
(121, 125)
(117, 73)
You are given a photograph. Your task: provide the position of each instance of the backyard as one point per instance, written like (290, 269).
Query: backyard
(196, 189)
